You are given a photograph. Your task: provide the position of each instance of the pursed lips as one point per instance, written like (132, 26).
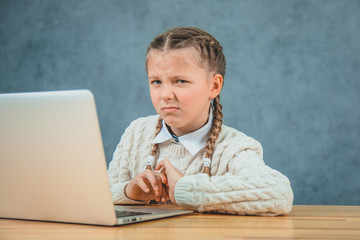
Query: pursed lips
(169, 109)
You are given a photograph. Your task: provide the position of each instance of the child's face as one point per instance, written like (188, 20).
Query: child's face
(180, 89)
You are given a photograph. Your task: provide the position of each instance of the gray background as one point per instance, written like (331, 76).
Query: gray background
(292, 78)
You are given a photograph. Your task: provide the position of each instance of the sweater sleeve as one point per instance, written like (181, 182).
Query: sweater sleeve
(119, 172)
(249, 187)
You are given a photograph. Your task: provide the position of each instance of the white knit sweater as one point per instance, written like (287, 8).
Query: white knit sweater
(240, 182)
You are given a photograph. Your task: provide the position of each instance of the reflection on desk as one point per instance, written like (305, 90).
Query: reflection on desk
(305, 222)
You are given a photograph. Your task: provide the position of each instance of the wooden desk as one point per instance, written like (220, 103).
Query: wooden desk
(305, 222)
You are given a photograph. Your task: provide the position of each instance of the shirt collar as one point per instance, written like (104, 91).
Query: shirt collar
(193, 142)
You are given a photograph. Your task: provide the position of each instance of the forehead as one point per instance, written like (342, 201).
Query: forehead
(181, 58)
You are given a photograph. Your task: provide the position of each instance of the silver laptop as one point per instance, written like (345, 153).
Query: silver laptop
(52, 162)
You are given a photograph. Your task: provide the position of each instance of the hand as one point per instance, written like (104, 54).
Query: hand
(148, 185)
(172, 174)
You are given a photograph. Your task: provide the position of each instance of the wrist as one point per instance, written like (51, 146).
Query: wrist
(126, 194)
(125, 191)
(173, 192)
(184, 192)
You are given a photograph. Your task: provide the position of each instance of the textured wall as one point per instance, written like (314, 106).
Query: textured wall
(292, 76)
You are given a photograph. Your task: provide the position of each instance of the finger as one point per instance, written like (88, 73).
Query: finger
(165, 167)
(159, 165)
(164, 174)
(162, 164)
(164, 195)
(155, 183)
(142, 185)
(167, 193)
(152, 179)
(163, 177)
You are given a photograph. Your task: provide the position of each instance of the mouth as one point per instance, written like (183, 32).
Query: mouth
(169, 109)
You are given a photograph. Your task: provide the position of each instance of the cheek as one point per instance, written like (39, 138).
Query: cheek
(192, 98)
(154, 97)
(198, 93)
(186, 97)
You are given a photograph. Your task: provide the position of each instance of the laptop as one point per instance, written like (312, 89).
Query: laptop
(52, 162)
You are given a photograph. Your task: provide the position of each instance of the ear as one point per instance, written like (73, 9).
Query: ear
(217, 83)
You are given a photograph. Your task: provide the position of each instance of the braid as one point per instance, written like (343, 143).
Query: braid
(156, 145)
(214, 131)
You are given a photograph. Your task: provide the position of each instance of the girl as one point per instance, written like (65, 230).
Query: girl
(185, 154)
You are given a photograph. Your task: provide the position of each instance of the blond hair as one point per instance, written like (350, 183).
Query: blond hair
(210, 56)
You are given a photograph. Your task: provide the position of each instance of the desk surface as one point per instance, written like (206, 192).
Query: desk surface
(305, 222)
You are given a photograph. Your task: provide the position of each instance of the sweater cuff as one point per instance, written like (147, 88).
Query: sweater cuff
(119, 197)
(185, 191)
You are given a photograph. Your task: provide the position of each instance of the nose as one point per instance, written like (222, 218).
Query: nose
(167, 92)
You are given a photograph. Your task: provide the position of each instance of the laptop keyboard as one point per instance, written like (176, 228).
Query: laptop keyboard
(129, 213)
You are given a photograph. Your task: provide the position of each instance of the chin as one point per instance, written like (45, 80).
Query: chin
(171, 121)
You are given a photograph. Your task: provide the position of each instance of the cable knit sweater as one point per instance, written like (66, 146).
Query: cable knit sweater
(240, 182)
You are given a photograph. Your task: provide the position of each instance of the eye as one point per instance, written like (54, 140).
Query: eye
(155, 82)
(181, 81)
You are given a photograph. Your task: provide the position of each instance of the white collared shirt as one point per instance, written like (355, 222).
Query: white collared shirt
(193, 142)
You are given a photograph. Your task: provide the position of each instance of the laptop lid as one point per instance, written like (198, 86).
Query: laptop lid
(52, 163)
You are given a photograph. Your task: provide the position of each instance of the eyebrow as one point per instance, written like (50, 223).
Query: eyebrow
(179, 77)
(172, 77)
(153, 77)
